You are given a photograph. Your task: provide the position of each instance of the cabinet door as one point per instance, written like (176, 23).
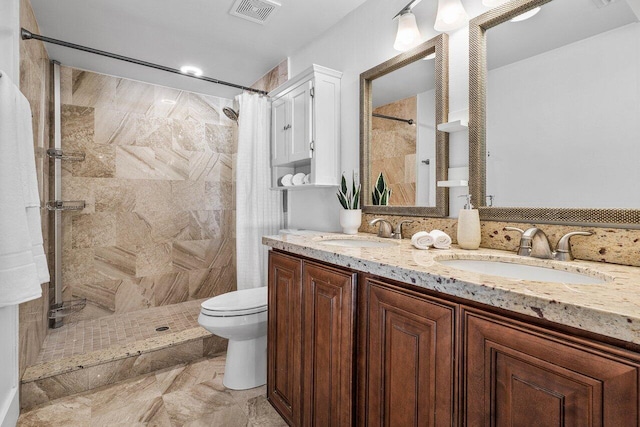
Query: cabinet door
(409, 358)
(519, 377)
(280, 132)
(301, 122)
(284, 336)
(329, 338)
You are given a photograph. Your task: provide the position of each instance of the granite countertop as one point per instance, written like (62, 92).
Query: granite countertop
(611, 308)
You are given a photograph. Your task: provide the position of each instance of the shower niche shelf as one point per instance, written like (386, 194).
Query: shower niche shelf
(305, 129)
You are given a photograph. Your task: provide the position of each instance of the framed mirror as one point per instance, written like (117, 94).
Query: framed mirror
(554, 103)
(402, 101)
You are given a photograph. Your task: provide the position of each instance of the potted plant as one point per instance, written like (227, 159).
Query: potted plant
(351, 214)
(381, 192)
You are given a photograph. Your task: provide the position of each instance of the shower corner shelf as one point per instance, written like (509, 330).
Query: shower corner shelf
(57, 154)
(303, 187)
(454, 126)
(66, 205)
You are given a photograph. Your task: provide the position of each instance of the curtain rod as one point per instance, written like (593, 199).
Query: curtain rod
(28, 35)
(382, 116)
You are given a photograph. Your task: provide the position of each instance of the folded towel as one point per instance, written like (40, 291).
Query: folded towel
(19, 278)
(422, 240)
(441, 239)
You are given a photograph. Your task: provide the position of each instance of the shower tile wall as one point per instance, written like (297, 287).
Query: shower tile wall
(34, 69)
(158, 227)
(393, 150)
(274, 78)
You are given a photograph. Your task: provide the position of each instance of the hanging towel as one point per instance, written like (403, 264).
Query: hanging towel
(442, 239)
(19, 279)
(30, 186)
(422, 240)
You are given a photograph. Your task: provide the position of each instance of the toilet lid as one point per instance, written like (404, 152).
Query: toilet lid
(245, 301)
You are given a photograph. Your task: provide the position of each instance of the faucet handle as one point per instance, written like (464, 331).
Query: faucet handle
(524, 247)
(514, 229)
(384, 229)
(397, 231)
(563, 248)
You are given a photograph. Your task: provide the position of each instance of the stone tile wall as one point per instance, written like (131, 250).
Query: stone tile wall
(274, 78)
(158, 227)
(34, 69)
(393, 150)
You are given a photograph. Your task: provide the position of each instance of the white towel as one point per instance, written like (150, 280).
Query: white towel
(19, 279)
(422, 240)
(441, 239)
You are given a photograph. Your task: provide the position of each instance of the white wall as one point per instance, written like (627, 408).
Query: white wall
(426, 149)
(363, 39)
(586, 139)
(9, 64)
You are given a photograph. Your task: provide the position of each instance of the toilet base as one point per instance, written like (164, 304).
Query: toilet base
(246, 365)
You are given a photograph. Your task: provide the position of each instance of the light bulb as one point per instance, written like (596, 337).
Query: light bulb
(493, 3)
(526, 15)
(190, 69)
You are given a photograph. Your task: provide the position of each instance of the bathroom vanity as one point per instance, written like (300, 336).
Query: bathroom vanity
(379, 333)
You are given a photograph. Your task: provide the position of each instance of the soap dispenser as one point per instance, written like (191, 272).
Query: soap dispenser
(468, 226)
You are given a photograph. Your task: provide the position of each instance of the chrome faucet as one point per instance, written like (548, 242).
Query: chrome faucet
(535, 243)
(385, 229)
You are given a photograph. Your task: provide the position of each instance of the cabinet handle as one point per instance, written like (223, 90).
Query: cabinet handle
(287, 127)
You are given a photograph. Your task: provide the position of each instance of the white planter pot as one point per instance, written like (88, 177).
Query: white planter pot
(350, 220)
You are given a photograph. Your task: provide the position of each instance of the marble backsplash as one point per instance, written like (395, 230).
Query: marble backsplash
(34, 70)
(158, 182)
(611, 245)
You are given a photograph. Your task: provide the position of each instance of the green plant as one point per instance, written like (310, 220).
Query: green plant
(349, 199)
(381, 193)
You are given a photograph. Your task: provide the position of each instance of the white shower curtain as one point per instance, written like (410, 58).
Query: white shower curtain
(258, 209)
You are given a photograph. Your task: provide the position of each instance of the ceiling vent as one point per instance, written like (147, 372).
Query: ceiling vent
(258, 11)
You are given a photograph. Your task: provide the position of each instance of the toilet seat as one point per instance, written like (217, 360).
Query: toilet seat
(237, 303)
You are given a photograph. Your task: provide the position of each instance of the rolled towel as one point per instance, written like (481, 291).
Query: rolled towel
(441, 239)
(422, 240)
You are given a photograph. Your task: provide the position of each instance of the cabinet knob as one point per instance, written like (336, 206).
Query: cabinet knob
(287, 127)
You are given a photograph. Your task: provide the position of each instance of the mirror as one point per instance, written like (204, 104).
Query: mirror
(401, 102)
(554, 108)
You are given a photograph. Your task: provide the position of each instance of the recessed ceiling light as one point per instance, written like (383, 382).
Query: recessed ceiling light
(190, 69)
(168, 101)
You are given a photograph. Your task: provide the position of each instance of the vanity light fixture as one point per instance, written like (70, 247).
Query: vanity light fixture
(190, 69)
(451, 16)
(408, 35)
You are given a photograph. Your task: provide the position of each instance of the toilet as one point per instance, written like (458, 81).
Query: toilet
(241, 317)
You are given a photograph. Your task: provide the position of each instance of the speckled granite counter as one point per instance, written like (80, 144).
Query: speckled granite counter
(611, 308)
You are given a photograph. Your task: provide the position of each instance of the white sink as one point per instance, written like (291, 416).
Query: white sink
(521, 271)
(358, 243)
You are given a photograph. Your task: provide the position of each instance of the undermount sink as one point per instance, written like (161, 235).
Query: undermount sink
(523, 272)
(358, 243)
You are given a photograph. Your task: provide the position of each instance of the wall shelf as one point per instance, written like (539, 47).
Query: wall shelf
(454, 126)
(303, 187)
(453, 183)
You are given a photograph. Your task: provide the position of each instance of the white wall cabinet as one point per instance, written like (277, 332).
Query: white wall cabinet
(305, 128)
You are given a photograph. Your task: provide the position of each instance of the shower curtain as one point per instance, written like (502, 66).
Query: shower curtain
(258, 209)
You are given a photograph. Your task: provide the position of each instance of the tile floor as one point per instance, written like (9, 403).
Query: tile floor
(185, 395)
(90, 335)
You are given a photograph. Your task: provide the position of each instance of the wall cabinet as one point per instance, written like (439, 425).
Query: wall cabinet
(305, 127)
(426, 360)
(311, 368)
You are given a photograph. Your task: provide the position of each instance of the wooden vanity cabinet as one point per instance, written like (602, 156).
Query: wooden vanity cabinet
(518, 376)
(311, 342)
(284, 336)
(407, 357)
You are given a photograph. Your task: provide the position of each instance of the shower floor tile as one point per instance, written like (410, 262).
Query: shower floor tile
(87, 336)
